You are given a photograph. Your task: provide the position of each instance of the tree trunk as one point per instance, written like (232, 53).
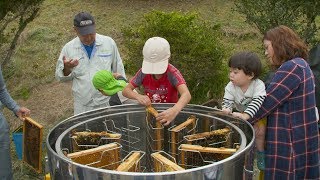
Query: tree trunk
(22, 25)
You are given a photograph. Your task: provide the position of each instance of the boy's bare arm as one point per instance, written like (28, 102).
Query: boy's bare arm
(169, 115)
(129, 93)
(185, 97)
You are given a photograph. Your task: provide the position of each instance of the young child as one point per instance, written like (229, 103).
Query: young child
(111, 84)
(245, 92)
(161, 81)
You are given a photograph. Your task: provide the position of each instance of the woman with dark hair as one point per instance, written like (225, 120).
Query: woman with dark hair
(292, 138)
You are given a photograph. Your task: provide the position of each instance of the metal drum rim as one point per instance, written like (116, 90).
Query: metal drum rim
(63, 158)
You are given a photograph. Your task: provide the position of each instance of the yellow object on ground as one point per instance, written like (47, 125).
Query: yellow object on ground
(261, 175)
(47, 177)
(262, 122)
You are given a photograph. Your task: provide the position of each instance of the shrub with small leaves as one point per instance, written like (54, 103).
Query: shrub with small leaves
(195, 46)
(299, 15)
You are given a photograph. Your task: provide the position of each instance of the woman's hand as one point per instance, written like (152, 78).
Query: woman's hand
(22, 113)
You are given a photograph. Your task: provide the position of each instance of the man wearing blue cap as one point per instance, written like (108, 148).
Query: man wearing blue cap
(82, 57)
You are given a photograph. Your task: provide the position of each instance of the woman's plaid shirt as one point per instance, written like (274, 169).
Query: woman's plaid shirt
(292, 137)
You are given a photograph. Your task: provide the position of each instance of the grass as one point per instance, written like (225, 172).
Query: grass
(23, 171)
(33, 64)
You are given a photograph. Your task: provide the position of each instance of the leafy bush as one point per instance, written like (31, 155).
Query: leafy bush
(195, 50)
(299, 15)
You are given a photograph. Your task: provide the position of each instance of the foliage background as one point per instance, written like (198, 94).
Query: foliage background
(196, 50)
(299, 15)
(30, 74)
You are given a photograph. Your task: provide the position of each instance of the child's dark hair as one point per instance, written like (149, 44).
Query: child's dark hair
(249, 62)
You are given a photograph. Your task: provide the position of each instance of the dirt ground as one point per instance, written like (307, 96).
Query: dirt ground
(44, 106)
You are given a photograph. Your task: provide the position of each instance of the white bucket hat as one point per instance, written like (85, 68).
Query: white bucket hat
(156, 54)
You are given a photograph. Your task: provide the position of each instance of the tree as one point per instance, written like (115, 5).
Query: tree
(299, 15)
(14, 17)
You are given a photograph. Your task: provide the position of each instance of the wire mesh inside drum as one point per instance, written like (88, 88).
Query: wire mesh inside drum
(177, 133)
(131, 163)
(213, 138)
(208, 141)
(145, 145)
(163, 162)
(87, 139)
(148, 150)
(129, 135)
(105, 156)
(155, 132)
(105, 149)
(192, 156)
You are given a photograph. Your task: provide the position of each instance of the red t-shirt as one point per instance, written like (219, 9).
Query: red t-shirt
(163, 90)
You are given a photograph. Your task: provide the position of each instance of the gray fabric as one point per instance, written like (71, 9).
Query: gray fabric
(5, 97)
(5, 160)
(314, 57)
(314, 62)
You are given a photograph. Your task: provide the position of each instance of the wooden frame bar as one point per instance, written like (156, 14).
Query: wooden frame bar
(132, 163)
(190, 147)
(105, 156)
(174, 133)
(161, 163)
(151, 112)
(223, 131)
(32, 144)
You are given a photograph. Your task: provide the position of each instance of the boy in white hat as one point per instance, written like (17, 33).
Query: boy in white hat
(161, 81)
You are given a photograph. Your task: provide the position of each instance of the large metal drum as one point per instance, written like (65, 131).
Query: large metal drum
(137, 135)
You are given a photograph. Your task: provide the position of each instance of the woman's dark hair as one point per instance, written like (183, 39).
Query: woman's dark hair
(286, 44)
(249, 62)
